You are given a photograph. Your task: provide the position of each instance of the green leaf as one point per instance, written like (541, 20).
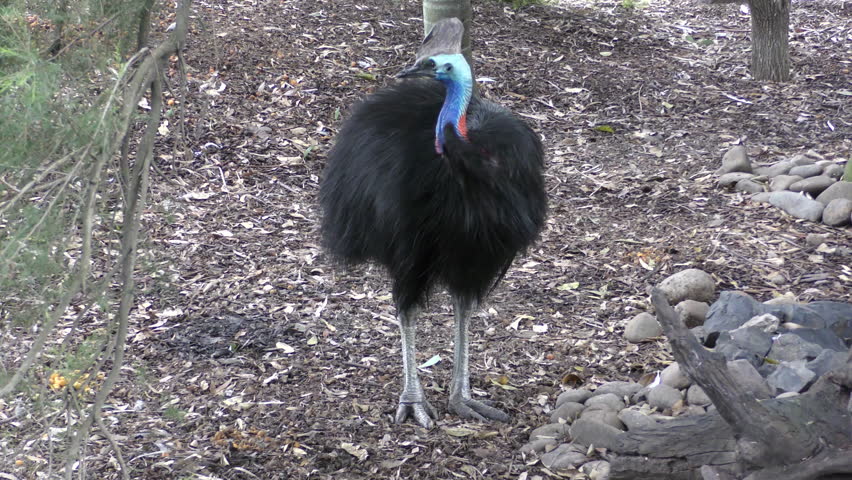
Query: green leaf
(366, 76)
(605, 129)
(569, 286)
(504, 386)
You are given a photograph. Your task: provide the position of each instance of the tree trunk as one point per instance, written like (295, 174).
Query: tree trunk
(770, 56)
(434, 10)
(847, 173)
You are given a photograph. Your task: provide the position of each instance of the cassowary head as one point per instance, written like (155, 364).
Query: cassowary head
(447, 67)
(453, 71)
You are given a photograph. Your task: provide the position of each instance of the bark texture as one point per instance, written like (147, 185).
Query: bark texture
(804, 437)
(770, 55)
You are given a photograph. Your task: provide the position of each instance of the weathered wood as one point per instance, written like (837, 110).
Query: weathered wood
(770, 433)
(832, 464)
(676, 438)
(798, 438)
(675, 449)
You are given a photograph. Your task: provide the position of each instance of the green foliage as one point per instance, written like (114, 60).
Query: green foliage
(634, 4)
(174, 414)
(847, 172)
(518, 4)
(58, 61)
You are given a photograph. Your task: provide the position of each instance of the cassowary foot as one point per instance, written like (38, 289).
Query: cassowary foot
(474, 409)
(420, 411)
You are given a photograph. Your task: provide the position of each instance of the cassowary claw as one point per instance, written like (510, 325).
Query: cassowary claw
(476, 410)
(421, 412)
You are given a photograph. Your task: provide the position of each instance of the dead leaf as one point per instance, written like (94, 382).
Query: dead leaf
(358, 452)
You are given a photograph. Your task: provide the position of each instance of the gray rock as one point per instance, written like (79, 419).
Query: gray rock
(821, 314)
(692, 313)
(674, 377)
(692, 284)
(813, 185)
(826, 361)
(539, 445)
(700, 333)
(589, 432)
(783, 182)
(642, 327)
(603, 415)
(640, 396)
(748, 185)
(779, 168)
(634, 419)
(735, 160)
(838, 190)
(836, 316)
(578, 395)
(555, 431)
(749, 378)
(834, 171)
(731, 311)
(621, 389)
(800, 159)
(790, 377)
(596, 470)
(696, 396)
(563, 456)
(663, 396)
(762, 197)
(806, 171)
(731, 179)
(767, 322)
(816, 239)
(787, 299)
(568, 411)
(837, 213)
(788, 347)
(751, 344)
(694, 410)
(823, 337)
(797, 205)
(608, 400)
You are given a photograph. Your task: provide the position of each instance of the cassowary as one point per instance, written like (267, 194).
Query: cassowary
(442, 188)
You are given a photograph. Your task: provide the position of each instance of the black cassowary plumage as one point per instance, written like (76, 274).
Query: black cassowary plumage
(445, 207)
(457, 219)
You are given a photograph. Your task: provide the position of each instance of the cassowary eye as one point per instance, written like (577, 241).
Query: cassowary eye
(430, 63)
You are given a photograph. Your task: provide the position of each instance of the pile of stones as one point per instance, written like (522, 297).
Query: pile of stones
(805, 186)
(774, 349)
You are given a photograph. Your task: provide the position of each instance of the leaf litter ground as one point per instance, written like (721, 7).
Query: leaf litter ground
(252, 357)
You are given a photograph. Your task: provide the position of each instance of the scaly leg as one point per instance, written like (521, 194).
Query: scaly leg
(412, 402)
(461, 402)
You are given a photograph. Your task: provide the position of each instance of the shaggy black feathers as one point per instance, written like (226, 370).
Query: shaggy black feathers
(457, 219)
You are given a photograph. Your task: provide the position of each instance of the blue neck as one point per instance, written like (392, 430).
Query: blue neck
(454, 109)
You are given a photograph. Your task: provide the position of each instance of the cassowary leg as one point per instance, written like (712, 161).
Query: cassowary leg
(461, 402)
(412, 402)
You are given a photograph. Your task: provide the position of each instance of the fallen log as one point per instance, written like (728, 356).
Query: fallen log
(808, 436)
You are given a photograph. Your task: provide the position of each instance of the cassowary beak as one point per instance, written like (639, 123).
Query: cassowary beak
(416, 71)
